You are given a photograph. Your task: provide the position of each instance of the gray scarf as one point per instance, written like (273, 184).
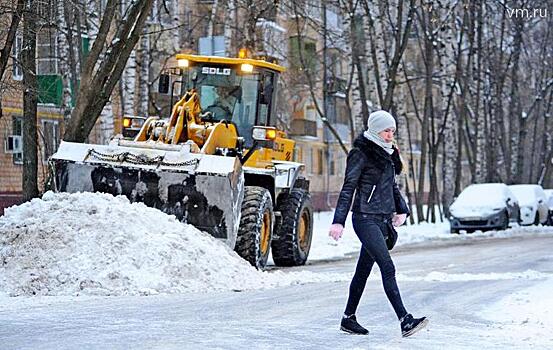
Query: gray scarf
(374, 137)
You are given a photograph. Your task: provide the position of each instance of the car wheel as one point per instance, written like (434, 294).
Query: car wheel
(505, 221)
(454, 231)
(537, 219)
(294, 234)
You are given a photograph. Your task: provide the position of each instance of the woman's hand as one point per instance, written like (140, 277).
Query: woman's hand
(336, 231)
(399, 219)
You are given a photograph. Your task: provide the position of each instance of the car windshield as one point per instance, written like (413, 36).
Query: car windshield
(492, 195)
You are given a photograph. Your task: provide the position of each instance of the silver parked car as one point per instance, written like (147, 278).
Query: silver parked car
(533, 204)
(484, 207)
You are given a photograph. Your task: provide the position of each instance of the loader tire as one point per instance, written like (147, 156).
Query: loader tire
(253, 241)
(292, 238)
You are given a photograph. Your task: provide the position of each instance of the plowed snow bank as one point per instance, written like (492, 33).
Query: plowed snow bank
(97, 244)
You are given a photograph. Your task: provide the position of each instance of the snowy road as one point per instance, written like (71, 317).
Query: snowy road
(478, 294)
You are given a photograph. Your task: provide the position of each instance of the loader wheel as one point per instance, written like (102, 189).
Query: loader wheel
(292, 238)
(256, 226)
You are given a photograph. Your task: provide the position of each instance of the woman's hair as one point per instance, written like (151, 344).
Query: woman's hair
(399, 162)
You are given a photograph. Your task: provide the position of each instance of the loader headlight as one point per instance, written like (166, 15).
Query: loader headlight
(243, 53)
(127, 122)
(263, 133)
(183, 63)
(246, 68)
(271, 134)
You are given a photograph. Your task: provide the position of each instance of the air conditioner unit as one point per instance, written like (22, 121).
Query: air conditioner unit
(13, 144)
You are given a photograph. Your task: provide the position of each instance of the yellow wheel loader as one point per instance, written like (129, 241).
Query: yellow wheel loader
(217, 162)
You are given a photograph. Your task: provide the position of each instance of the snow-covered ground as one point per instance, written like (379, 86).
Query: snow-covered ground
(91, 271)
(526, 314)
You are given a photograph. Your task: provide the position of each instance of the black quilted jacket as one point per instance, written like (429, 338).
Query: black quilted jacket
(370, 174)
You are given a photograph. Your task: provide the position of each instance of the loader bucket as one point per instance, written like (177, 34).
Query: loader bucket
(199, 189)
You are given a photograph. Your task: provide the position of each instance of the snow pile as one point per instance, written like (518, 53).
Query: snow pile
(97, 244)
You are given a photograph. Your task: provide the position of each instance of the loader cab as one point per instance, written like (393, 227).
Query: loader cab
(241, 91)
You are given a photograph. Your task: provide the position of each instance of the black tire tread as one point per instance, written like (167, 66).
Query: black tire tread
(505, 222)
(285, 245)
(248, 238)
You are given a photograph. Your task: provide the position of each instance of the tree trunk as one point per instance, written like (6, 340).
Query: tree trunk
(10, 37)
(428, 107)
(518, 129)
(546, 153)
(356, 27)
(30, 157)
(145, 56)
(480, 129)
(100, 76)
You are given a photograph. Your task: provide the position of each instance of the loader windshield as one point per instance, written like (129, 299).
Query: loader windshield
(228, 96)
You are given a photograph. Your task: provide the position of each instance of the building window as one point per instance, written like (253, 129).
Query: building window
(342, 114)
(271, 41)
(17, 131)
(51, 137)
(313, 9)
(212, 45)
(17, 73)
(310, 113)
(50, 85)
(320, 161)
(298, 154)
(311, 161)
(46, 10)
(308, 54)
(332, 166)
(46, 52)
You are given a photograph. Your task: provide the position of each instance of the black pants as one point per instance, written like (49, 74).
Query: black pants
(369, 228)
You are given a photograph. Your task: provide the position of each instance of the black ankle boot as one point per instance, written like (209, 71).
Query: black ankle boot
(410, 325)
(349, 324)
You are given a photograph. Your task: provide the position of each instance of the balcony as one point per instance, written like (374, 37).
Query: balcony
(336, 85)
(273, 43)
(303, 127)
(50, 89)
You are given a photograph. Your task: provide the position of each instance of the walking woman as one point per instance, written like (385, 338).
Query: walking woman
(372, 165)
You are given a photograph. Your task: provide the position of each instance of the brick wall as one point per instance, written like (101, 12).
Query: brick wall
(10, 172)
(8, 199)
